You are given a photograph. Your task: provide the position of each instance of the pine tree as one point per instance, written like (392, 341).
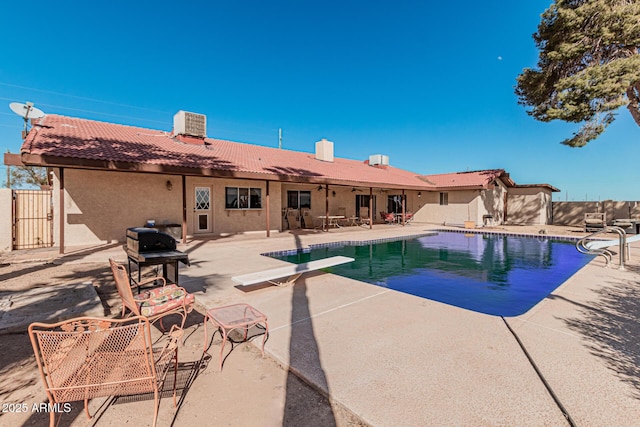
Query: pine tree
(588, 67)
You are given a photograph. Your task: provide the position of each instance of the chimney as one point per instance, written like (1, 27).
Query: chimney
(190, 124)
(324, 150)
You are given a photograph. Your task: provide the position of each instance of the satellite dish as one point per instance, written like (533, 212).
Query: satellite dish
(26, 111)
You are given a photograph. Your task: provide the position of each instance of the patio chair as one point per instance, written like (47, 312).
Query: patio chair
(342, 211)
(153, 304)
(408, 217)
(307, 219)
(389, 218)
(293, 219)
(594, 221)
(85, 358)
(364, 216)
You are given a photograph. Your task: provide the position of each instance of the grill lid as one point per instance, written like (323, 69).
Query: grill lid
(142, 239)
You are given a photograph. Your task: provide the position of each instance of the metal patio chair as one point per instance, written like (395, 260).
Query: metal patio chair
(85, 358)
(389, 218)
(155, 303)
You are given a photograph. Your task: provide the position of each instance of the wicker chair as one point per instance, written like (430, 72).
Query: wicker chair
(85, 358)
(153, 304)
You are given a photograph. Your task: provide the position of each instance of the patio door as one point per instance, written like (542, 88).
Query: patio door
(202, 210)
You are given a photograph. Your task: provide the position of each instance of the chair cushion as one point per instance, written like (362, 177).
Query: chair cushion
(163, 299)
(593, 221)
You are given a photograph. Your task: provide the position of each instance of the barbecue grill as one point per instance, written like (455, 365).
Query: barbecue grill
(148, 246)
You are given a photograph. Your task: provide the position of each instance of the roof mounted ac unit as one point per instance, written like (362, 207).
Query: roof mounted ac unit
(378, 159)
(192, 124)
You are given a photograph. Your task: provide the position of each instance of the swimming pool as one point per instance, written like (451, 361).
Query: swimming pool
(495, 274)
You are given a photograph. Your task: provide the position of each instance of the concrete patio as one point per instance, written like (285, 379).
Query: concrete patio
(395, 359)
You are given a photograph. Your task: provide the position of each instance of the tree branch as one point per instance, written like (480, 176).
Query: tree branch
(633, 94)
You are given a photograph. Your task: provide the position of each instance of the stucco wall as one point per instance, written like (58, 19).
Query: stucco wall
(572, 213)
(462, 206)
(491, 202)
(6, 243)
(99, 205)
(232, 221)
(618, 210)
(345, 197)
(529, 206)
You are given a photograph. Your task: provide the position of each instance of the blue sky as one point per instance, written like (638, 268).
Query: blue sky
(430, 84)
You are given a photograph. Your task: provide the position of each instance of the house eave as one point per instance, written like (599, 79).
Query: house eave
(11, 159)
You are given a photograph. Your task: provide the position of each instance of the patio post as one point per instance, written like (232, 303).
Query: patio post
(403, 207)
(326, 208)
(370, 208)
(267, 210)
(61, 210)
(184, 209)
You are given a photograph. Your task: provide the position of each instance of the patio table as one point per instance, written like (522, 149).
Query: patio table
(353, 220)
(232, 317)
(333, 220)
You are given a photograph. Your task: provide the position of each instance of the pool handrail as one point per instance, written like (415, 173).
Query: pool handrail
(583, 247)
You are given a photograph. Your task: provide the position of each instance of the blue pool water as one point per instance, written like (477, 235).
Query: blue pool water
(488, 273)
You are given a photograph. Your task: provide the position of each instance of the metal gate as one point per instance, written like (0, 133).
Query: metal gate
(32, 219)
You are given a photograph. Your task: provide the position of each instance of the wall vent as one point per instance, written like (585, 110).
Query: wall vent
(378, 159)
(191, 124)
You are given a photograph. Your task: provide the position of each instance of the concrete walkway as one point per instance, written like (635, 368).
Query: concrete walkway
(395, 359)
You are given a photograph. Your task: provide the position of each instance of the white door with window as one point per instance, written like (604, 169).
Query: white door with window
(202, 210)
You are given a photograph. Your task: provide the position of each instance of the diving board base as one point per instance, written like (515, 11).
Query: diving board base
(290, 280)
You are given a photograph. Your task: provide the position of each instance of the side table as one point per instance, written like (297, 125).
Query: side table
(232, 317)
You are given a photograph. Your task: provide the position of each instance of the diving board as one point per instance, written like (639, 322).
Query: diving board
(291, 272)
(599, 244)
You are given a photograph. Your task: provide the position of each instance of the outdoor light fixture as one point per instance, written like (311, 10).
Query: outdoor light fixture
(419, 194)
(169, 185)
(353, 190)
(334, 193)
(319, 187)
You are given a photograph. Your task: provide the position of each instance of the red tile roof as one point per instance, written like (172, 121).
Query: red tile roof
(72, 142)
(465, 179)
(57, 140)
